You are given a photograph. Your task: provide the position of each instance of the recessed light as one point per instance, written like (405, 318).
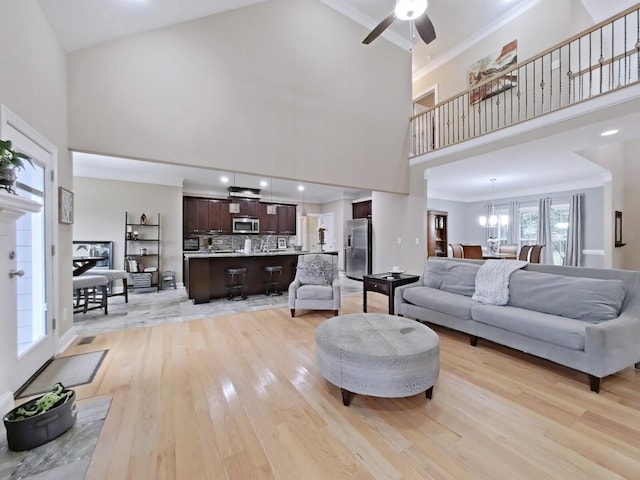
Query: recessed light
(300, 188)
(224, 179)
(608, 133)
(263, 183)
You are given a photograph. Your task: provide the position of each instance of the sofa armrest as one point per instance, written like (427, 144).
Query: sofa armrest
(293, 288)
(398, 298)
(613, 345)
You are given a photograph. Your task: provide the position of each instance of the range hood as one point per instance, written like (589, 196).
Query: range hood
(242, 192)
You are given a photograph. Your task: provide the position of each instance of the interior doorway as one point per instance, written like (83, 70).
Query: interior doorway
(311, 225)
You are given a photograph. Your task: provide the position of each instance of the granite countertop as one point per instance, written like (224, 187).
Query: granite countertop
(226, 253)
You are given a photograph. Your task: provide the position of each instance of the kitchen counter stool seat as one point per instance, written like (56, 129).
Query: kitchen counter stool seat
(271, 286)
(236, 283)
(86, 287)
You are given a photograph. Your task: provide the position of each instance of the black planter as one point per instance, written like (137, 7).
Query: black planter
(31, 432)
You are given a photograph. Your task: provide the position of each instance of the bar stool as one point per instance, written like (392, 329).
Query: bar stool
(236, 283)
(271, 286)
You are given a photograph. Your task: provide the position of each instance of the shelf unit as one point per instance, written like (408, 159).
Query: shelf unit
(437, 243)
(142, 251)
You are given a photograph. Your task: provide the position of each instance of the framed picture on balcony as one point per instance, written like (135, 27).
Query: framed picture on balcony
(487, 67)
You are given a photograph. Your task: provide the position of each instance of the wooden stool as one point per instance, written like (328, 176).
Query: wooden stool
(271, 286)
(236, 283)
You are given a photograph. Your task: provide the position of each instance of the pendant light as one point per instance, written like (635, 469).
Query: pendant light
(493, 221)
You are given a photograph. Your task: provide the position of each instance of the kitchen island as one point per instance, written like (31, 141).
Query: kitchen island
(205, 273)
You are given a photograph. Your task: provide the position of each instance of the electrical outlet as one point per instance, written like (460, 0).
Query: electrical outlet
(417, 241)
(399, 240)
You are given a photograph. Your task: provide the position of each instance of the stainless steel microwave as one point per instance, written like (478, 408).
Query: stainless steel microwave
(246, 225)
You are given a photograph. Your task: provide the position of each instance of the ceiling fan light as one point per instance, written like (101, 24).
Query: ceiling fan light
(410, 9)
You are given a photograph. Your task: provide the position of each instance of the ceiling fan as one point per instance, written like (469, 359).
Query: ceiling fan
(407, 10)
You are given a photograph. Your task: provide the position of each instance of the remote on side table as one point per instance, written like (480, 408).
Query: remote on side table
(385, 283)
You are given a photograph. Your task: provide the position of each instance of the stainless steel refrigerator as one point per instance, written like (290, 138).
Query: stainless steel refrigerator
(357, 249)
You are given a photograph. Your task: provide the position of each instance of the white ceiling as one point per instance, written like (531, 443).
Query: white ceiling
(81, 23)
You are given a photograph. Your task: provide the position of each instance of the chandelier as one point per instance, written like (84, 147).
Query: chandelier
(494, 220)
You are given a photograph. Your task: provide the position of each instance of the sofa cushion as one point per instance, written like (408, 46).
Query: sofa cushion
(440, 301)
(451, 276)
(554, 329)
(590, 299)
(314, 292)
(316, 271)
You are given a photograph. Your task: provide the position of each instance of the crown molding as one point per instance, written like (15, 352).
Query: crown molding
(367, 22)
(474, 39)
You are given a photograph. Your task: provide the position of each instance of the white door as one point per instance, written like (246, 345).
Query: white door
(33, 309)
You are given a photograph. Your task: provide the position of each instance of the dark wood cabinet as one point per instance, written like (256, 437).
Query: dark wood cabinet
(248, 207)
(219, 216)
(268, 221)
(437, 242)
(361, 209)
(195, 215)
(287, 219)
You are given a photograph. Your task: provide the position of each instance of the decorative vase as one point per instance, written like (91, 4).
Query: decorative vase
(7, 178)
(143, 219)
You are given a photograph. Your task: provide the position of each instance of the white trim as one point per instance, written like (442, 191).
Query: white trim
(473, 40)
(66, 340)
(7, 403)
(599, 253)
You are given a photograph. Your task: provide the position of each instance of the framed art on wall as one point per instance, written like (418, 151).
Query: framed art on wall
(65, 205)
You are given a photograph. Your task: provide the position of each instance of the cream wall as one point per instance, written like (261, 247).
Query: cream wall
(631, 207)
(33, 86)
(284, 87)
(544, 25)
(100, 216)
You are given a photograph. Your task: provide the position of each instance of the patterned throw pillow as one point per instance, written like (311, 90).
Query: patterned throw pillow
(316, 271)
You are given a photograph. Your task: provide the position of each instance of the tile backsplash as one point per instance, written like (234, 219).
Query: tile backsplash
(213, 243)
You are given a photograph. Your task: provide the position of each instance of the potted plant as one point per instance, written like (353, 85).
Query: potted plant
(10, 162)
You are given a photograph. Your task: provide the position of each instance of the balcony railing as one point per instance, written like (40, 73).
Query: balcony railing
(598, 61)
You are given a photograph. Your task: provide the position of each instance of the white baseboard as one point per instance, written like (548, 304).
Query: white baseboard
(599, 253)
(6, 404)
(66, 340)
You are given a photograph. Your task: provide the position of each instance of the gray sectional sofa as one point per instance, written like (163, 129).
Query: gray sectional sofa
(584, 318)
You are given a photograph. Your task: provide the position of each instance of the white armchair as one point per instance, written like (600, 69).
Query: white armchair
(316, 285)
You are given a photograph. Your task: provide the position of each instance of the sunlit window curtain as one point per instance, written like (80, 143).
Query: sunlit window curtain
(513, 233)
(575, 234)
(544, 231)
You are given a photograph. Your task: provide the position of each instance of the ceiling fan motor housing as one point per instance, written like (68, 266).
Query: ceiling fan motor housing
(410, 9)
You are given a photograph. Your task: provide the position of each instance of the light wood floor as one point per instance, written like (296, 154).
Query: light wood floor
(239, 397)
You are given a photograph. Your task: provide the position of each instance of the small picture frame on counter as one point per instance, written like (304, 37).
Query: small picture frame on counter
(282, 243)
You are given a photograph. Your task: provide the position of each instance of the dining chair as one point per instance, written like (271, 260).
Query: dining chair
(472, 251)
(536, 251)
(524, 252)
(456, 248)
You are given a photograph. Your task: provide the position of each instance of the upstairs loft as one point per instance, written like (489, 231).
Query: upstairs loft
(592, 73)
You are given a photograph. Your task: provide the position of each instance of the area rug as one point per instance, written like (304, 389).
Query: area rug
(70, 371)
(66, 457)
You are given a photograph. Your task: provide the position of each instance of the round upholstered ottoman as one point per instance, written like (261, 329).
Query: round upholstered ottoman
(377, 354)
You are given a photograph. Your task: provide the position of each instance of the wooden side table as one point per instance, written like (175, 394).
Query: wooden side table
(385, 283)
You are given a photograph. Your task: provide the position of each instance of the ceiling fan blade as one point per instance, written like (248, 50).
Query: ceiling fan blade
(425, 28)
(382, 26)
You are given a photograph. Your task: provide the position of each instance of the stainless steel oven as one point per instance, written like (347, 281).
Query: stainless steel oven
(246, 225)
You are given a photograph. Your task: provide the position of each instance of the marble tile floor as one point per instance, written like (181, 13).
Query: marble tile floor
(173, 306)
(66, 457)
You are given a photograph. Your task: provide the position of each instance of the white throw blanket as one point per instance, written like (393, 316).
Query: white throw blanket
(492, 281)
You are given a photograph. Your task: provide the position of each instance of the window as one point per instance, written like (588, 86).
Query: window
(559, 229)
(528, 226)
